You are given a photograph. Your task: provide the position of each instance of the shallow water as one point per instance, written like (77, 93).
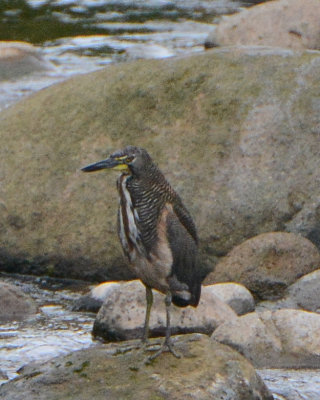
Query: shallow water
(292, 384)
(53, 331)
(79, 36)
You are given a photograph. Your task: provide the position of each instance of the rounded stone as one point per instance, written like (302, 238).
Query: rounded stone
(282, 23)
(305, 292)
(207, 370)
(235, 295)
(122, 314)
(244, 157)
(279, 339)
(15, 305)
(267, 264)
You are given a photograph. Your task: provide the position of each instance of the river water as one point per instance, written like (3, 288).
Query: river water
(74, 37)
(79, 36)
(54, 330)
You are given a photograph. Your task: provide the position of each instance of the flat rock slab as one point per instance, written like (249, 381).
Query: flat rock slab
(122, 314)
(206, 371)
(267, 264)
(283, 23)
(279, 339)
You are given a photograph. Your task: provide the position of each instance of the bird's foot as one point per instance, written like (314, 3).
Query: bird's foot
(167, 346)
(147, 346)
(122, 349)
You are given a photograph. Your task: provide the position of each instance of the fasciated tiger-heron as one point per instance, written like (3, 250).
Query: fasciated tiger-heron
(156, 232)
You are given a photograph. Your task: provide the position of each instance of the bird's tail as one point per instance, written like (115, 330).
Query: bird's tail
(192, 301)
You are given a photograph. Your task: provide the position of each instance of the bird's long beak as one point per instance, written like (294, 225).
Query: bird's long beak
(108, 163)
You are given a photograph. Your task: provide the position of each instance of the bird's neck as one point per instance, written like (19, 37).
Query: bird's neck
(152, 182)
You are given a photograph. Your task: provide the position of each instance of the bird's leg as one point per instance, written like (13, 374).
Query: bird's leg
(149, 299)
(167, 344)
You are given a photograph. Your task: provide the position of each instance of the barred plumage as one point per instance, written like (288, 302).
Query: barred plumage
(156, 231)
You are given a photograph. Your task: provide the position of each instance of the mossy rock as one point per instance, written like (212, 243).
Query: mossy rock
(236, 132)
(207, 370)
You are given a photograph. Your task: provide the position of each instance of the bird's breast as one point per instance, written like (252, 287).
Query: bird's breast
(129, 233)
(152, 266)
(155, 269)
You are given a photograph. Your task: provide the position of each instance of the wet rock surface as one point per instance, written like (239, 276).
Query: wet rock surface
(268, 263)
(207, 370)
(283, 23)
(122, 314)
(284, 338)
(14, 304)
(18, 59)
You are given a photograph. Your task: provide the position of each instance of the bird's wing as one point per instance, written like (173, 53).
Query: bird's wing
(186, 220)
(184, 254)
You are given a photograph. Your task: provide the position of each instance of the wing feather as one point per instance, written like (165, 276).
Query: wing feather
(182, 240)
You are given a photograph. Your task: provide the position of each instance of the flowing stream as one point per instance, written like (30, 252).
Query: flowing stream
(54, 330)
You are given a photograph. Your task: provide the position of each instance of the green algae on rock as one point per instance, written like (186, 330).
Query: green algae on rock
(208, 370)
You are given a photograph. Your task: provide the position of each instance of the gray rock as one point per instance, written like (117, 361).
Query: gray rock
(3, 375)
(122, 314)
(14, 304)
(236, 131)
(306, 292)
(206, 371)
(282, 23)
(306, 220)
(94, 300)
(236, 296)
(274, 305)
(18, 59)
(268, 263)
(279, 339)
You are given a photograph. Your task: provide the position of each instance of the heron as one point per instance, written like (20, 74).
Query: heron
(156, 232)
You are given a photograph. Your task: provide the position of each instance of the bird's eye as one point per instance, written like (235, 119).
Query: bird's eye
(129, 159)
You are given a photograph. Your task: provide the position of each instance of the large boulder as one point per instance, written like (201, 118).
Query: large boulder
(15, 304)
(279, 339)
(122, 314)
(283, 23)
(206, 371)
(235, 131)
(268, 263)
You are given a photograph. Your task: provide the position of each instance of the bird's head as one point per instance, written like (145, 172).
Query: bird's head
(130, 160)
